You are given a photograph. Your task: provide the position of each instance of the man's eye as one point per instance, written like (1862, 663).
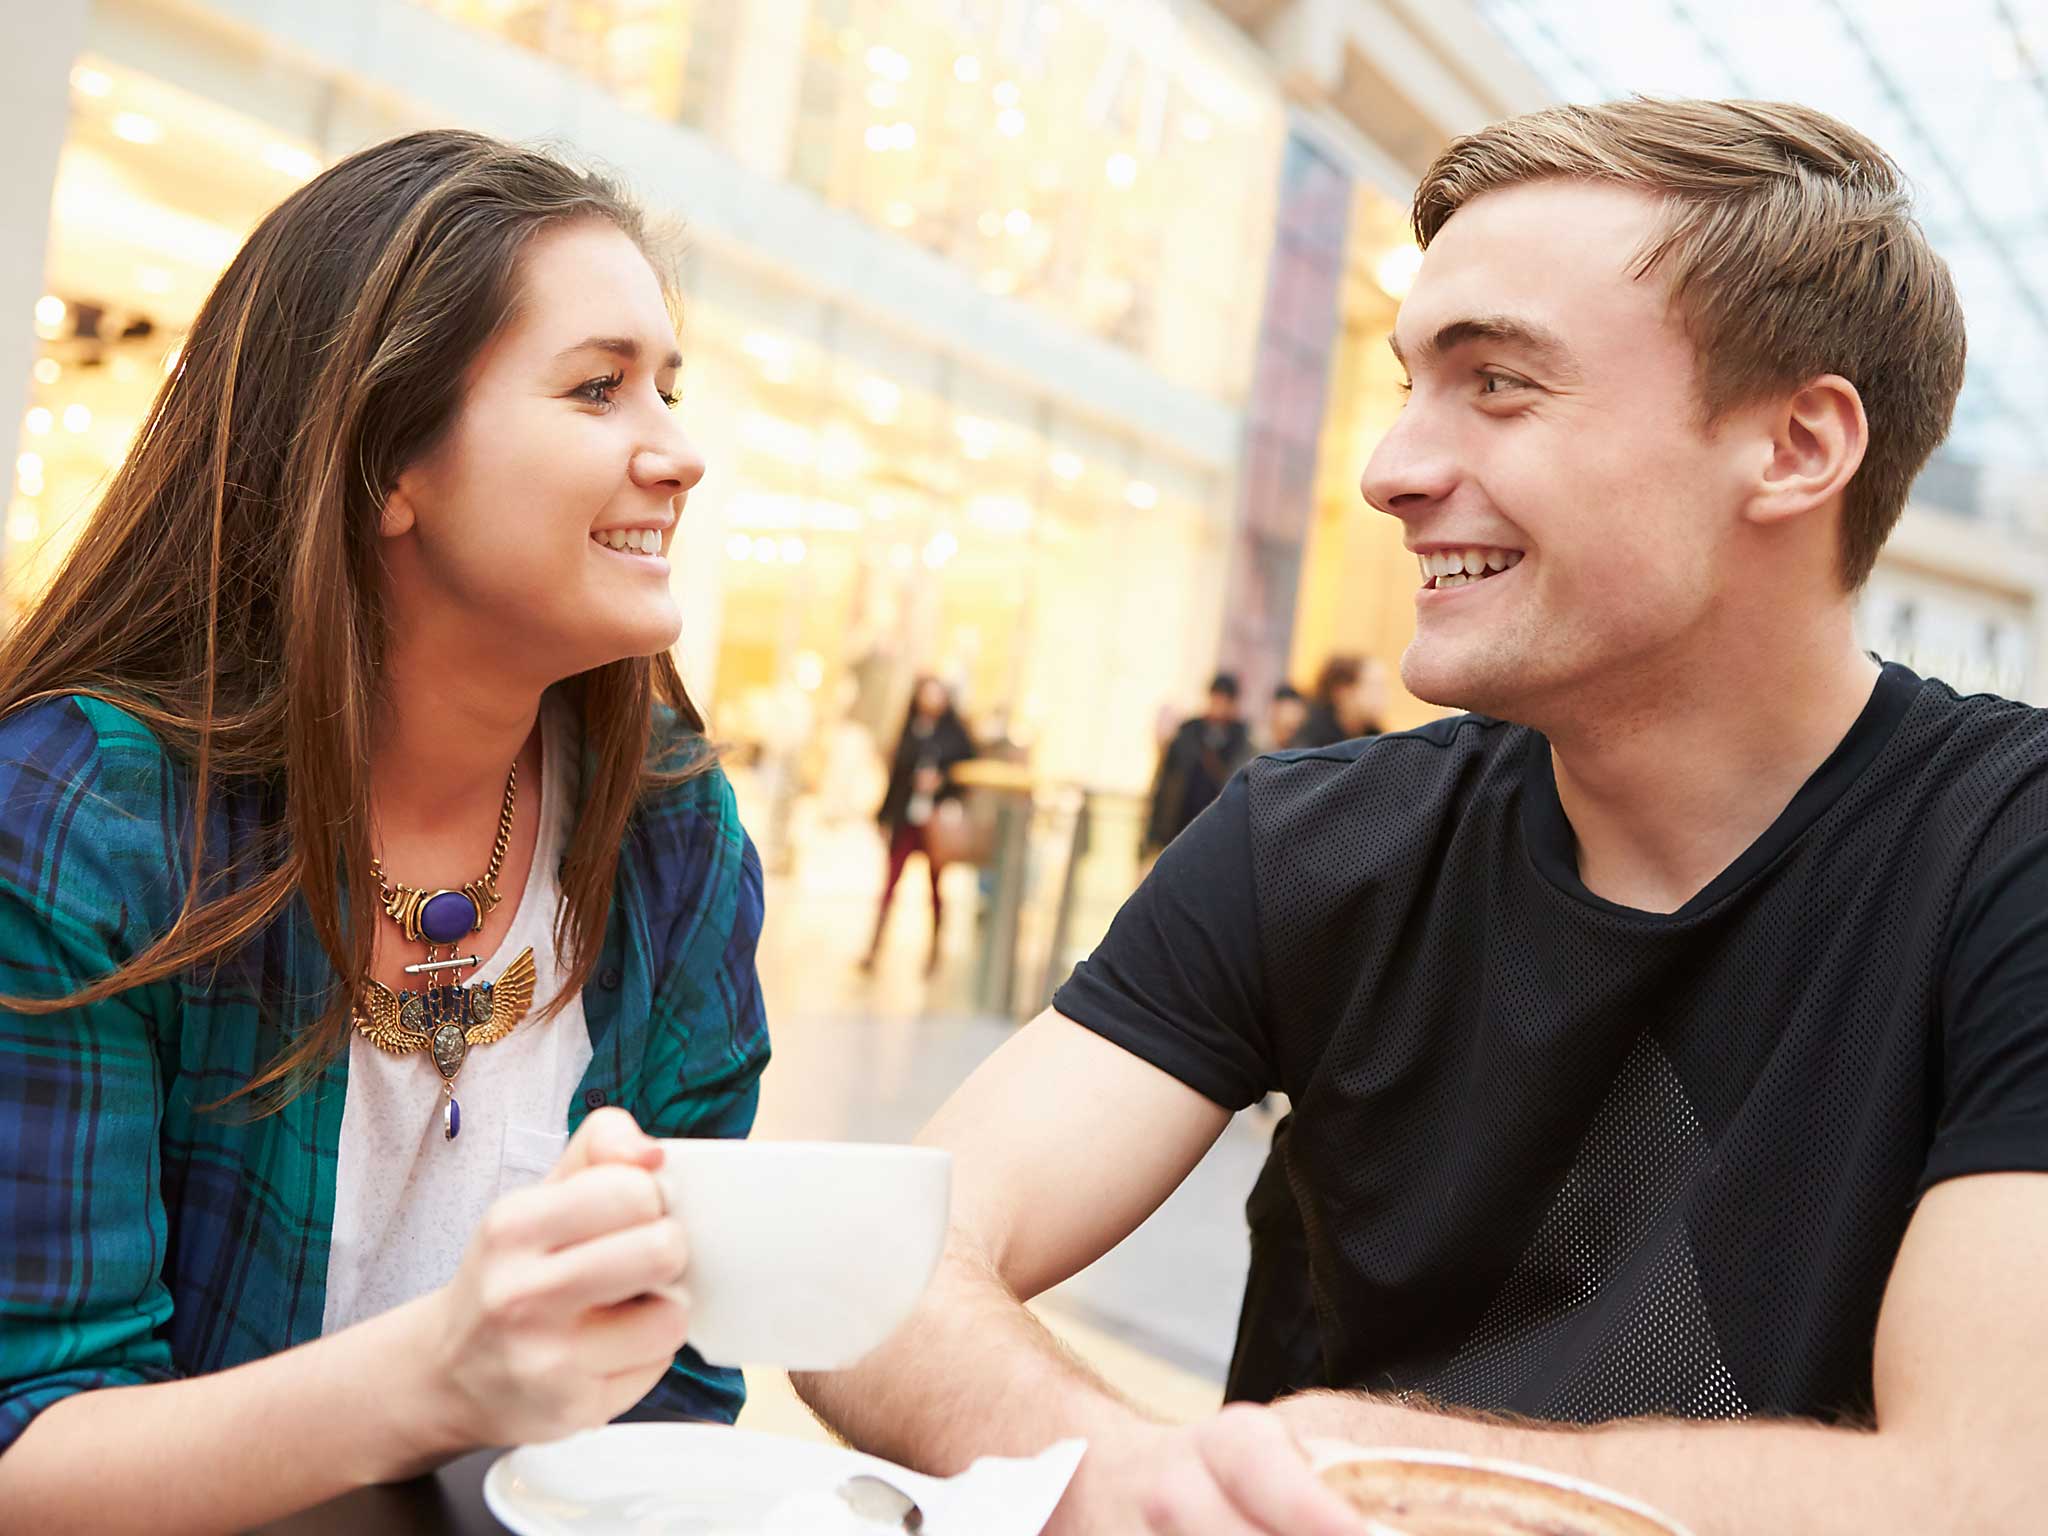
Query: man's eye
(1500, 383)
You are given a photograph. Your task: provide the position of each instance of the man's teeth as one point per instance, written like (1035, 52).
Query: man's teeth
(640, 541)
(1455, 567)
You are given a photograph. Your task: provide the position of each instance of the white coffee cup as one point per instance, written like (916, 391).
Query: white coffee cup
(804, 1255)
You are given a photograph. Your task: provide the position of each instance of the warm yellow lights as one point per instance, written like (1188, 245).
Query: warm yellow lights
(90, 82)
(136, 128)
(1395, 271)
(888, 63)
(1066, 465)
(1121, 169)
(1010, 122)
(739, 547)
(48, 370)
(1000, 514)
(773, 354)
(943, 547)
(1017, 222)
(977, 437)
(76, 418)
(1142, 494)
(990, 223)
(50, 312)
(880, 399)
(291, 160)
(1006, 93)
(23, 524)
(38, 422)
(967, 69)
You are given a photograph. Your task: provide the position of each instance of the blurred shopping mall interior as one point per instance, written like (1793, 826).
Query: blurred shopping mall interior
(1034, 344)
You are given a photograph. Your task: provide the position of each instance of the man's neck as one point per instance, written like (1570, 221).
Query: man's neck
(1664, 797)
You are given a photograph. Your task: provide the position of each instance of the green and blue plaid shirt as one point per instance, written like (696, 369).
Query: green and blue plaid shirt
(141, 1240)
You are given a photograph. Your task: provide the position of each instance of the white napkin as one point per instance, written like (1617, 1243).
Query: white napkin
(996, 1496)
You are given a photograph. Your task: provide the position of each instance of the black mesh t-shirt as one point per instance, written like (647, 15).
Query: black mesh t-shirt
(1554, 1156)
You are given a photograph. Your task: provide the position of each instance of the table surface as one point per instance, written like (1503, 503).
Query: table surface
(450, 1501)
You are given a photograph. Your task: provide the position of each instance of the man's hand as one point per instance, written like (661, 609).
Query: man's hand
(1241, 1473)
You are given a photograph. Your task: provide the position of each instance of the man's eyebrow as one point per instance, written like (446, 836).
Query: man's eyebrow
(1546, 347)
(624, 347)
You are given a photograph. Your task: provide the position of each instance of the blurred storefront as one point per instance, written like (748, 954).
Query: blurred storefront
(980, 339)
(1022, 504)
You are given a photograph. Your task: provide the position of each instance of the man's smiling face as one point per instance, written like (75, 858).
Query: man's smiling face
(1554, 428)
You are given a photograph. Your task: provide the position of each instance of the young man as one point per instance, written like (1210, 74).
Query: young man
(1672, 1059)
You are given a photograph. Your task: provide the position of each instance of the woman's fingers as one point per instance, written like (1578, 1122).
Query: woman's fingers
(614, 1267)
(633, 1337)
(608, 1135)
(542, 1218)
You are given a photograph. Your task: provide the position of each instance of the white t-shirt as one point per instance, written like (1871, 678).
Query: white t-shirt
(406, 1200)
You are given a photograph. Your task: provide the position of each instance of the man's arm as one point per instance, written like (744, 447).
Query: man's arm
(1062, 1144)
(1962, 1407)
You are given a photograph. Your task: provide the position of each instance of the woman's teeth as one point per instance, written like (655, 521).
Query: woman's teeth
(1442, 569)
(637, 541)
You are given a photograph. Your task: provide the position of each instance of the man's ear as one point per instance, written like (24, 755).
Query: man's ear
(1817, 437)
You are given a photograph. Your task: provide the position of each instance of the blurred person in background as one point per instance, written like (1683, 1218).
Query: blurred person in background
(1667, 1039)
(1196, 763)
(384, 576)
(1350, 700)
(921, 801)
(1284, 719)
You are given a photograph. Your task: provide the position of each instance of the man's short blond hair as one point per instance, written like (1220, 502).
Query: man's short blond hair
(1790, 249)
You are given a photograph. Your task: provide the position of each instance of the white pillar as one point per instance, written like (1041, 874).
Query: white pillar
(35, 85)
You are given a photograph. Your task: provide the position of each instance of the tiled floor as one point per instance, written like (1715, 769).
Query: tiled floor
(870, 1058)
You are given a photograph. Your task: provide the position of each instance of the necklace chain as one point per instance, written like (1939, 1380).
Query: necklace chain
(490, 879)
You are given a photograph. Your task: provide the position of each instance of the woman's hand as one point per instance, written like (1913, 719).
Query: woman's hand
(553, 1323)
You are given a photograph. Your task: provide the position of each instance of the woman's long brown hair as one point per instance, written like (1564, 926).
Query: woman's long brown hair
(226, 590)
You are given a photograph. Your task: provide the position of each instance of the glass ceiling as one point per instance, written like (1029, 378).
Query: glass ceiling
(1957, 92)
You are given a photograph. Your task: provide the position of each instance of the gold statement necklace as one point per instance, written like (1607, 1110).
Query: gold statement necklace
(443, 1017)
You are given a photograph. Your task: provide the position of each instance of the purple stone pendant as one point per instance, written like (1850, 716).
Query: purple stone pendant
(451, 1119)
(446, 916)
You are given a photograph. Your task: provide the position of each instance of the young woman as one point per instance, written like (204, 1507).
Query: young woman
(934, 741)
(357, 843)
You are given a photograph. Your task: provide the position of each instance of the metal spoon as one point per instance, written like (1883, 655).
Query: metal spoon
(873, 1499)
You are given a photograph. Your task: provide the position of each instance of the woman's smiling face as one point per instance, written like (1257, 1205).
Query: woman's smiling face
(542, 521)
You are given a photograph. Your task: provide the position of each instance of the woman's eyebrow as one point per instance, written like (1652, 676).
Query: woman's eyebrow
(622, 347)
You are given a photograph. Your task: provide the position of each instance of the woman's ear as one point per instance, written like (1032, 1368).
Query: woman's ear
(398, 517)
(1817, 439)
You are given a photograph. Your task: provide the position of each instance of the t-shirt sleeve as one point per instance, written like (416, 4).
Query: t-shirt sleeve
(1994, 1105)
(1176, 979)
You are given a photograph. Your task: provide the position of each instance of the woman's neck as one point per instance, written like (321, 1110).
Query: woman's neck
(444, 745)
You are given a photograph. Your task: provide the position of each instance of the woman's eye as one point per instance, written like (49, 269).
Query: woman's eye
(599, 391)
(670, 398)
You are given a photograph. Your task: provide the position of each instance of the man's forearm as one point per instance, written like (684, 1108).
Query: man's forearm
(972, 1373)
(1720, 1479)
(231, 1449)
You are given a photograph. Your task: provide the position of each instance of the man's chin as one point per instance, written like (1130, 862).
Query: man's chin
(1454, 682)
